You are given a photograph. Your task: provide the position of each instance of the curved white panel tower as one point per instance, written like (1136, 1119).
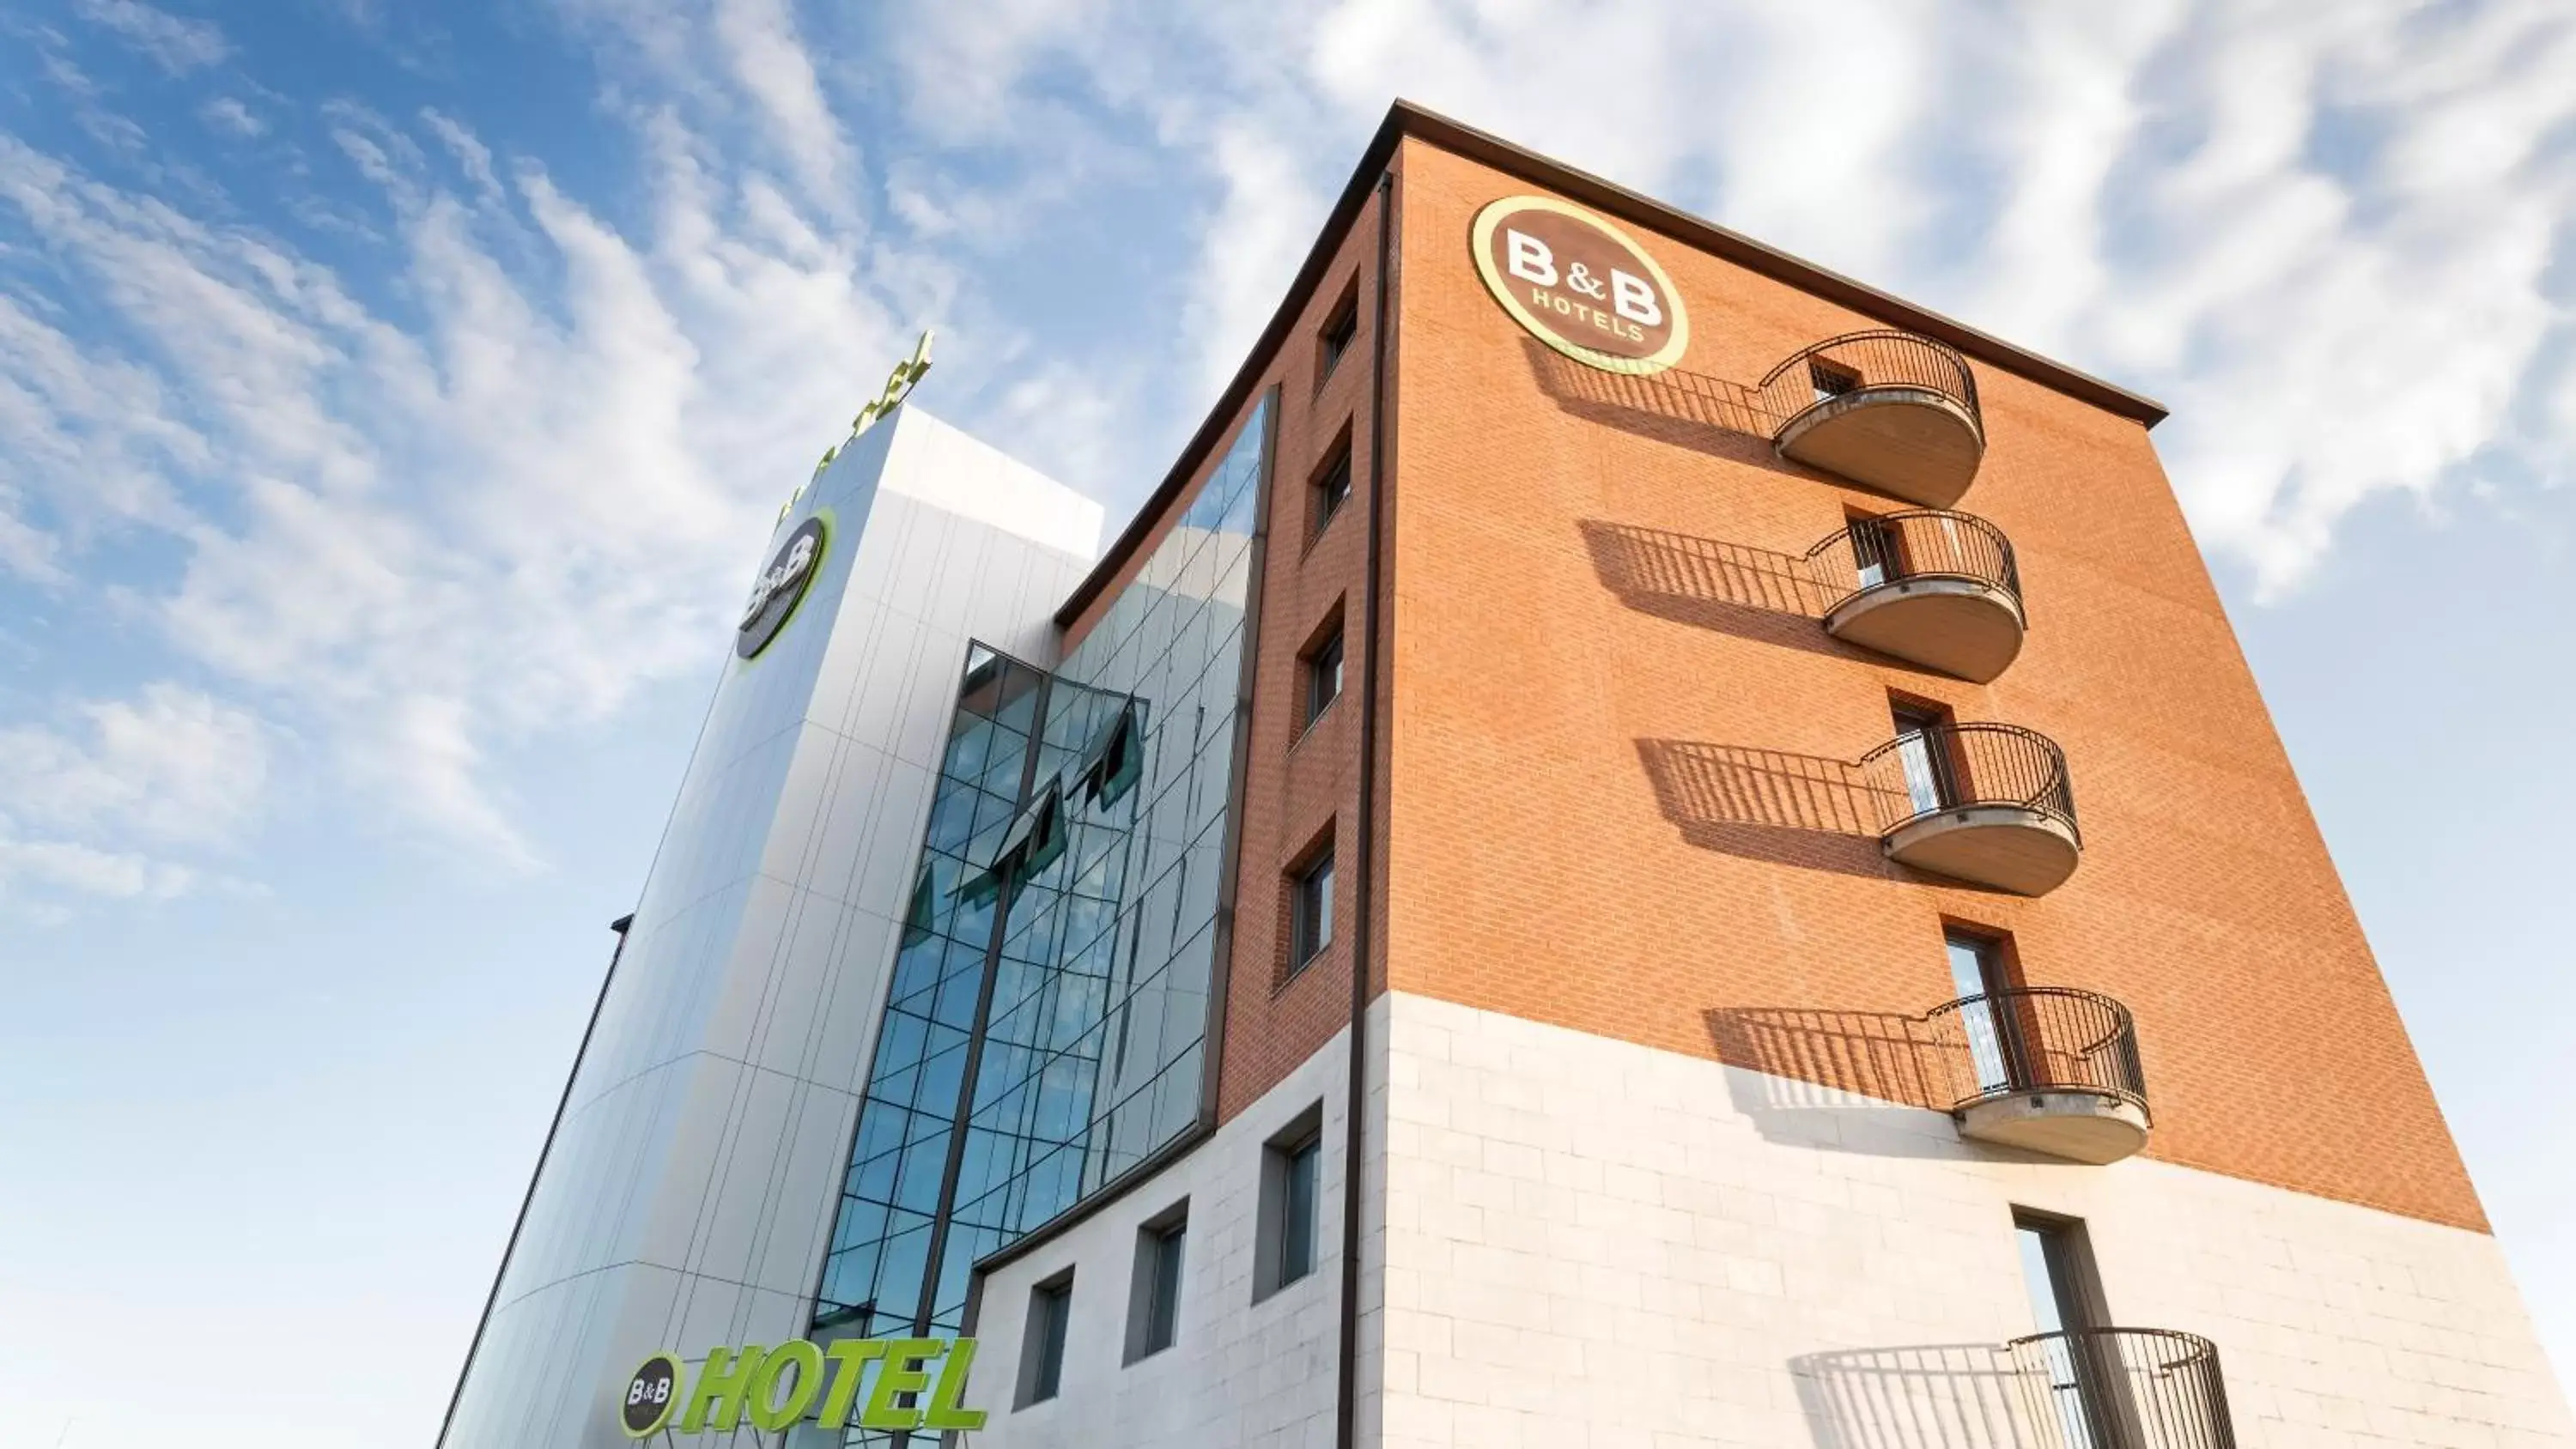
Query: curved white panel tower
(684, 1200)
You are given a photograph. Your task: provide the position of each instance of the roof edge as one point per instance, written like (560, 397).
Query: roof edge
(1616, 200)
(1405, 119)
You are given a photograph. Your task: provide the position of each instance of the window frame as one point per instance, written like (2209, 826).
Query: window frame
(1160, 1277)
(1944, 762)
(1330, 486)
(1311, 666)
(1285, 1220)
(1310, 906)
(1339, 334)
(1043, 1338)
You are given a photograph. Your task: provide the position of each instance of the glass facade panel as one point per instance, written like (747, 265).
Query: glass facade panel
(1093, 965)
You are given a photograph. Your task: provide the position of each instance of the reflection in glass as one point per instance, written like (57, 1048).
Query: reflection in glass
(2044, 1270)
(1975, 972)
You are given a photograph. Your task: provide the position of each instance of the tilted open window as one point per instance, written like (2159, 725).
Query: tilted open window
(1032, 844)
(1116, 758)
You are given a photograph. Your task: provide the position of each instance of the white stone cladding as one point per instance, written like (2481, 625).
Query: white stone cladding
(1239, 1373)
(1590, 1243)
(687, 1198)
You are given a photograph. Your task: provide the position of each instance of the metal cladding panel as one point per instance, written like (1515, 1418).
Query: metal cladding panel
(684, 1199)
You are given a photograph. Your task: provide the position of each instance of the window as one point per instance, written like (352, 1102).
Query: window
(1331, 488)
(2085, 1380)
(921, 912)
(1339, 333)
(1925, 750)
(1297, 1234)
(1310, 910)
(1154, 1297)
(1114, 759)
(1291, 1182)
(1033, 843)
(1981, 967)
(1831, 379)
(1324, 673)
(1042, 1347)
(1875, 550)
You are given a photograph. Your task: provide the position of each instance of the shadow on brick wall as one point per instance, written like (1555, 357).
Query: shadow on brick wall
(1708, 583)
(1770, 805)
(1685, 409)
(1922, 1396)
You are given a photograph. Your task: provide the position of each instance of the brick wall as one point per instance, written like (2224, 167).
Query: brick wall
(1553, 856)
(1303, 781)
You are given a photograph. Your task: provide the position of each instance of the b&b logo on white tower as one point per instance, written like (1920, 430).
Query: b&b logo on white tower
(781, 587)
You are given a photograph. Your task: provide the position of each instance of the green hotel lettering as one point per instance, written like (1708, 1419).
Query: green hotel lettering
(773, 1388)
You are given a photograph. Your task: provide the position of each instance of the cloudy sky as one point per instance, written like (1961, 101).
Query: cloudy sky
(393, 399)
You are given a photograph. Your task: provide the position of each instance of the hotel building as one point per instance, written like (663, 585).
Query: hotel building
(1640, 846)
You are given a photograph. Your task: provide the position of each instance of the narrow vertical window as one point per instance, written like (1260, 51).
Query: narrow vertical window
(1331, 488)
(1980, 969)
(2086, 1384)
(1339, 332)
(1042, 1345)
(1324, 674)
(1310, 914)
(1291, 1188)
(1926, 749)
(1297, 1238)
(1154, 1297)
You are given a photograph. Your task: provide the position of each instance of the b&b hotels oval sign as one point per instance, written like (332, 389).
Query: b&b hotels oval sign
(1580, 285)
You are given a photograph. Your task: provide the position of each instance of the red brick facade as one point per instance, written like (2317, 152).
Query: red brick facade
(1556, 703)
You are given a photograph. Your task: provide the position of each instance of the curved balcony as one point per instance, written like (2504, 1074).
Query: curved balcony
(2123, 1388)
(1888, 409)
(1937, 588)
(1985, 803)
(2045, 1069)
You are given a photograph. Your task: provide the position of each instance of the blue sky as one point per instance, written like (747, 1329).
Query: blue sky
(393, 399)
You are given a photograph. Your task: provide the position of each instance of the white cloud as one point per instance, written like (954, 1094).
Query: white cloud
(172, 765)
(768, 59)
(83, 870)
(176, 43)
(97, 804)
(1254, 243)
(421, 541)
(472, 156)
(231, 116)
(723, 57)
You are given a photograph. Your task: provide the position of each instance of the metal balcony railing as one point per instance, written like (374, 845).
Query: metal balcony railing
(1919, 543)
(1880, 359)
(2038, 1039)
(2124, 1388)
(1966, 766)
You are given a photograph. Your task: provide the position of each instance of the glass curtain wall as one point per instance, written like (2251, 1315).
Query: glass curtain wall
(1072, 864)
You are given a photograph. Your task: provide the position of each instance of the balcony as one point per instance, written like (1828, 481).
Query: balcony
(2044, 1069)
(1989, 804)
(1886, 409)
(1929, 586)
(2123, 1388)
